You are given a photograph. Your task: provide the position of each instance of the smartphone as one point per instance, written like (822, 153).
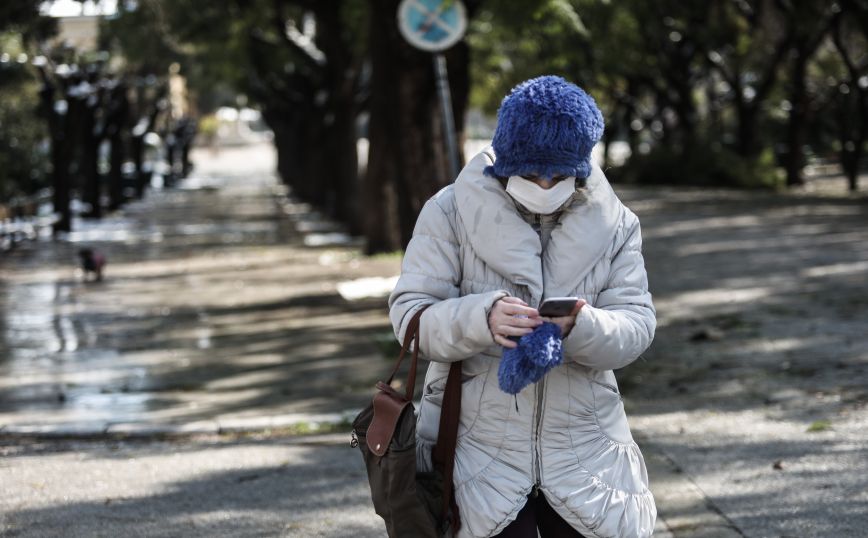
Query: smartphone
(555, 307)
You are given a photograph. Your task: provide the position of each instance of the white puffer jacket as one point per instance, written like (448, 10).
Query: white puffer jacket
(568, 433)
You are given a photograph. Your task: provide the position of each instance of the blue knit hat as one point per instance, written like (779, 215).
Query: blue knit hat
(546, 126)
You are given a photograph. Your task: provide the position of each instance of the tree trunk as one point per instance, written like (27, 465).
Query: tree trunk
(747, 129)
(116, 195)
(171, 144)
(58, 125)
(146, 124)
(314, 182)
(715, 120)
(117, 124)
(861, 136)
(137, 148)
(797, 121)
(630, 115)
(340, 162)
(685, 110)
(408, 162)
(346, 169)
(284, 143)
(90, 142)
(853, 136)
(60, 154)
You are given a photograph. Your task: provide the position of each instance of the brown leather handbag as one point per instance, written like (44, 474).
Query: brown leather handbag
(413, 504)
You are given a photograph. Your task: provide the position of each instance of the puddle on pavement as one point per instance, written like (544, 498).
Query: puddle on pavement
(196, 292)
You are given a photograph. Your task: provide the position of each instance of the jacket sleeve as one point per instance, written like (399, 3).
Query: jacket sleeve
(621, 325)
(453, 327)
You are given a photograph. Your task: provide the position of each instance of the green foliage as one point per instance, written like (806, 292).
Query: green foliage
(706, 164)
(355, 18)
(23, 156)
(205, 38)
(667, 73)
(513, 41)
(22, 17)
(208, 126)
(140, 34)
(387, 344)
(223, 48)
(819, 426)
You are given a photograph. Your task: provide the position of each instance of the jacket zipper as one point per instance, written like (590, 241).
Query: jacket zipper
(540, 394)
(537, 463)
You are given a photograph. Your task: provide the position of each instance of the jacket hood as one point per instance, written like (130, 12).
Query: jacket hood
(503, 240)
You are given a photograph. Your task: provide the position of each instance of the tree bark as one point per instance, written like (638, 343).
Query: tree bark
(853, 141)
(748, 119)
(407, 162)
(340, 159)
(116, 196)
(117, 124)
(852, 136)
(137, 148)
(59, 125)
(90, 141)
(311, 110)
(808, 24)
(57, 129)
(795, 160)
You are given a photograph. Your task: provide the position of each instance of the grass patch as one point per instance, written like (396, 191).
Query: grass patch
(299, 428)
(387, 344)
(394, 255)
(819, 426)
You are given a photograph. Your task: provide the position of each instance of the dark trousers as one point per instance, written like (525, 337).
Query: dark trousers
(538, 514)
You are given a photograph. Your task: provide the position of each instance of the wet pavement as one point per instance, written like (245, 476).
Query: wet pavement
(214, 313)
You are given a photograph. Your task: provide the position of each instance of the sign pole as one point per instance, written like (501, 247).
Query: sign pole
(434, 26)
(448, 115)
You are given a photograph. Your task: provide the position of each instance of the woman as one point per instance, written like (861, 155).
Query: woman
(527, 219)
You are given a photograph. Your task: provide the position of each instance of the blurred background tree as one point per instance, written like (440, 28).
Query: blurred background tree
(23, 152)
(323, 74)
(295, 61)
(721, 92)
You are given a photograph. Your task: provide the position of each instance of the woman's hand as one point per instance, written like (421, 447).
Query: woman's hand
(511, 316)
(566, 322)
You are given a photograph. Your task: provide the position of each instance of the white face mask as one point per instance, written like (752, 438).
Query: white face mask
(537, 199)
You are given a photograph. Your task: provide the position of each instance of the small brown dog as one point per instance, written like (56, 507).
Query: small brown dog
(92, 261)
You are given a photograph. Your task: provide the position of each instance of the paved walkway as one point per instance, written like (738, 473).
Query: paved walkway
(757, 382)
(215, 315)
(217, 323)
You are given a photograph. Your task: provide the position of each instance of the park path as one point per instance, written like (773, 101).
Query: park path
(757, 381)
(218, 316)
(219, 309)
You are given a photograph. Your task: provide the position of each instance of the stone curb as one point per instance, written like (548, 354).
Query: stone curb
(295, 423)
(683, 509)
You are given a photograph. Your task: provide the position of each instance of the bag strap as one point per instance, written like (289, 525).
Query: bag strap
(443, 454)
(411, 334)
(388, 404)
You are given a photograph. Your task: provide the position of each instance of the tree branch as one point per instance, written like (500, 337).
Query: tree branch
(768, 78)
(854, 70)
(302, 49)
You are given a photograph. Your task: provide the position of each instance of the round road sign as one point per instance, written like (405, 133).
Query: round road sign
(432, 25)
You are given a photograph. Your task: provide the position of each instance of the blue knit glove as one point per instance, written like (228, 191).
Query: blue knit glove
(536, 354)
